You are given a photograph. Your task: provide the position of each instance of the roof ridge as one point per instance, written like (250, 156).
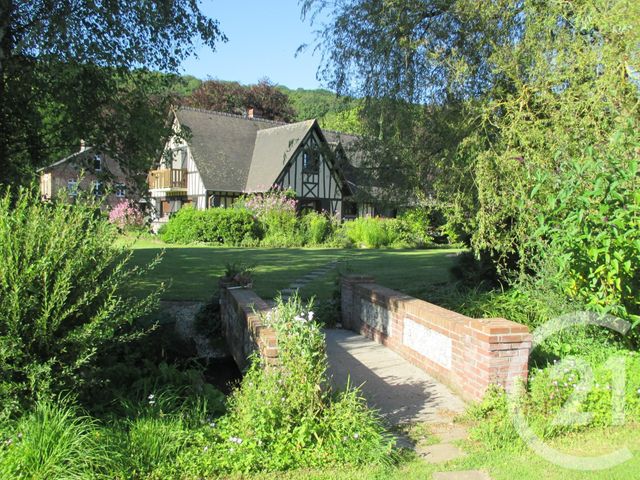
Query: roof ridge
(288, 125)
(233, 115)
(67, 158)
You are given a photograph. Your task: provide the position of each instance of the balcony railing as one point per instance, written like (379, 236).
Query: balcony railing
(168, 179)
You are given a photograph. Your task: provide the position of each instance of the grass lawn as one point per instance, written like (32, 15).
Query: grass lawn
(191, 272)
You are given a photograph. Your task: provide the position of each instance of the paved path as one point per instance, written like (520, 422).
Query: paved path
(403, 394)
(400, 391)
(298, 283)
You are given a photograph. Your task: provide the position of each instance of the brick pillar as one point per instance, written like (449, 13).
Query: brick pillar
(350, 319)
(496, 353)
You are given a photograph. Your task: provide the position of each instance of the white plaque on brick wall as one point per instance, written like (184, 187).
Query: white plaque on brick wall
(433, 345)
(375, 316)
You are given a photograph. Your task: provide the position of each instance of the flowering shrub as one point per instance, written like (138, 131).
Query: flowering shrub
(276, 211)
(125, 215)
(287, 416)
(275, 201)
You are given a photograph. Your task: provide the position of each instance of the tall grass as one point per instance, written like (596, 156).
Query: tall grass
(369, 232)
(53, 442)
(153, 444)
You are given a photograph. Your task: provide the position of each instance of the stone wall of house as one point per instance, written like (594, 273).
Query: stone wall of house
(57, 177)
(467, 354)
(242, 311)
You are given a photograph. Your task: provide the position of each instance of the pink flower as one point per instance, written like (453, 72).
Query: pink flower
(126, 214)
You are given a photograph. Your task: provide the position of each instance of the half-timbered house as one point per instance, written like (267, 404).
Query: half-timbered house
(213, 158)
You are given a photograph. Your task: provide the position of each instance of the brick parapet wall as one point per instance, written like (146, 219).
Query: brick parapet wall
(241, 311)
(467, 354)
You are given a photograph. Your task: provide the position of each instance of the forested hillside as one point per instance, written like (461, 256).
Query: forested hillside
(275, 102)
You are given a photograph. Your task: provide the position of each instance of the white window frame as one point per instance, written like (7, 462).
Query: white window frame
(97, 160)
(97, 188)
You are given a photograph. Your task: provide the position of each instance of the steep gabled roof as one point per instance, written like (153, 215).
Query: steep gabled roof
(222, 146)
(239, 154)
(274, 148)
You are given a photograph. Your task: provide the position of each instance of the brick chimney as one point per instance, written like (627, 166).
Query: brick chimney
(83, 146)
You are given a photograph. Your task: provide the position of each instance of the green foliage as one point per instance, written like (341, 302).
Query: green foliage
(346, 121)
(270, 220)
(563, 398)
(475, 108)
(53, 442)
(63, 295)
(591, 224)
(319, 104)
(62, 81)
(317, 228)
(286, 416)
(153, 444)
(224, 226)
(374, 232)
(367, 232)
(419, 224)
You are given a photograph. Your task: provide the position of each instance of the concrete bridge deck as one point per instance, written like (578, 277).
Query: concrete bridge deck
(399, 390)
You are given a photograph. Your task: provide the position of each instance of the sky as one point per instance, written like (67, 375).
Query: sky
(263, 36)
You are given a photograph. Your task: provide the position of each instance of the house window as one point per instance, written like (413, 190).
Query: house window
(180, 158)
(310, 162)
(72, 188)
(97, 188)
(121, 190)
(97, 163)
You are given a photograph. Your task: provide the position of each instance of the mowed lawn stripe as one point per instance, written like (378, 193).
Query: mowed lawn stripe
(192, 272)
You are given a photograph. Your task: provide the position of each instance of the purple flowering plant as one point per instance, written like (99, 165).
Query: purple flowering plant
(126, 215)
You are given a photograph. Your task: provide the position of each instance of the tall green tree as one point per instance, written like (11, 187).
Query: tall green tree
(72, 69)
(510, 89)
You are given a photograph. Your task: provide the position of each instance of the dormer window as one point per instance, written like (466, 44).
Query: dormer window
(97, 163)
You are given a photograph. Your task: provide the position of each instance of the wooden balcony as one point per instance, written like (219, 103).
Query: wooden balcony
(168, 180)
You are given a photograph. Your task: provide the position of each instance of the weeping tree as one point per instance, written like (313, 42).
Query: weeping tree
(85, 69)
(471, 101)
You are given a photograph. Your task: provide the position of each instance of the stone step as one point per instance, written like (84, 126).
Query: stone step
(440, 453)
(449, 432)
